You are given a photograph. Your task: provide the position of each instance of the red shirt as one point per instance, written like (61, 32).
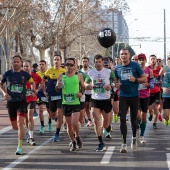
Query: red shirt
(37, 79)
(155, 75)
(29, 98)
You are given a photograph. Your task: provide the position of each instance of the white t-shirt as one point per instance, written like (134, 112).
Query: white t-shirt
(99, 80)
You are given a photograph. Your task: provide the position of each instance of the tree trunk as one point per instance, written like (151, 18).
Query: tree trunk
(51, 55)
(20, 45)
(42, 53)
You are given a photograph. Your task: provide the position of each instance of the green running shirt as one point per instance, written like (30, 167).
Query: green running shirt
(70, 89)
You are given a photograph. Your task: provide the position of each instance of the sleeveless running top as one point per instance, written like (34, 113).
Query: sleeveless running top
(155, 74)
(70, 89)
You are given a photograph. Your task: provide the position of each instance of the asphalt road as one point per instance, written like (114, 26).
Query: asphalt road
(154, 155)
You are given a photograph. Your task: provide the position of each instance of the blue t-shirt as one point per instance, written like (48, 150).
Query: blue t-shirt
(166, 82)
(16, 84)
(128, 89)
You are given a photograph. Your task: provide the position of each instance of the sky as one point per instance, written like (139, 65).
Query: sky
(146, 19)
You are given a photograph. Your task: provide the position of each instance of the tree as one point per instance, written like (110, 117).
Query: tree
(61, 24)
(119, 46)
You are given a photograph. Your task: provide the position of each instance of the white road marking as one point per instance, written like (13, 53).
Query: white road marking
(4, 130)
(108, 154)
(22, 158)
(168, 160)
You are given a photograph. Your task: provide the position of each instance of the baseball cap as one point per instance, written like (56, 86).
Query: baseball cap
(142, 56)
(106, 62)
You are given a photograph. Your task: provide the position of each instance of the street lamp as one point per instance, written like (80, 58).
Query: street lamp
(134, 33)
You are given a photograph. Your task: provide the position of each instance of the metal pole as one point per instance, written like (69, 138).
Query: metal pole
(164, 38)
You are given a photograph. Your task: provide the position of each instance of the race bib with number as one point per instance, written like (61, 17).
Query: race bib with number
(16, 88)
(69, 98)
(142, 87)
(55, 98)
(28, 92)
(98, 86)
(44, 99)
(125, 74)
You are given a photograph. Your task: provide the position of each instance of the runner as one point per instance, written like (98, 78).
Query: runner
(15, 94)
(54, 97)
(31, 101)
(72, 85)
(42, 100)
(144, 96)
(100, 100)
(165, 71)
(85, 69)
(155, 92)
(129, 74)
(159, 63)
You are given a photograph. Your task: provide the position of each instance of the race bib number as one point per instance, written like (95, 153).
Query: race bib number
(142, 87)
(16, 88)
(69, 98)
(125, 74)
(28, 92)
(98, 86)
(55, 98)
(44, 99)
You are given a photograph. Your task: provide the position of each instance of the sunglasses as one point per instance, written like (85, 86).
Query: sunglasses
(159, 60)
(68, 64)
(134, 59)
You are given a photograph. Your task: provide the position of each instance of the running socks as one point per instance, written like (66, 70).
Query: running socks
(42, 123)
(20, 143)
(142, 127)
(57, 130)
(108, 129)
(31, 134)
(100, 139)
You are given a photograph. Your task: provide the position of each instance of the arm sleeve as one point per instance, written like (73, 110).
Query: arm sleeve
(151, 83)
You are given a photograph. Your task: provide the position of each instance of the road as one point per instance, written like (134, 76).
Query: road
(154, 155)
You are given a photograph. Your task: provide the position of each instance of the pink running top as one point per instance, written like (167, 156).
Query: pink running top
(144, 91)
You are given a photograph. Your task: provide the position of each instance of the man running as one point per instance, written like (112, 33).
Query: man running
(43, 100)
(144, 96)
(72, 85)
(155, 92)
(165, 73)
(54, 97)
(99, 77)
(15, 95)
(129, 74)
(85, 69)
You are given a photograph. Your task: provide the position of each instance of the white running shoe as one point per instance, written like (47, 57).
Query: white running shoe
(123, 148)
(142, 139)
(134, 143)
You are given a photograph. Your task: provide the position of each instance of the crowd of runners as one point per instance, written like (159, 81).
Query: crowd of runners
(88, 96)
